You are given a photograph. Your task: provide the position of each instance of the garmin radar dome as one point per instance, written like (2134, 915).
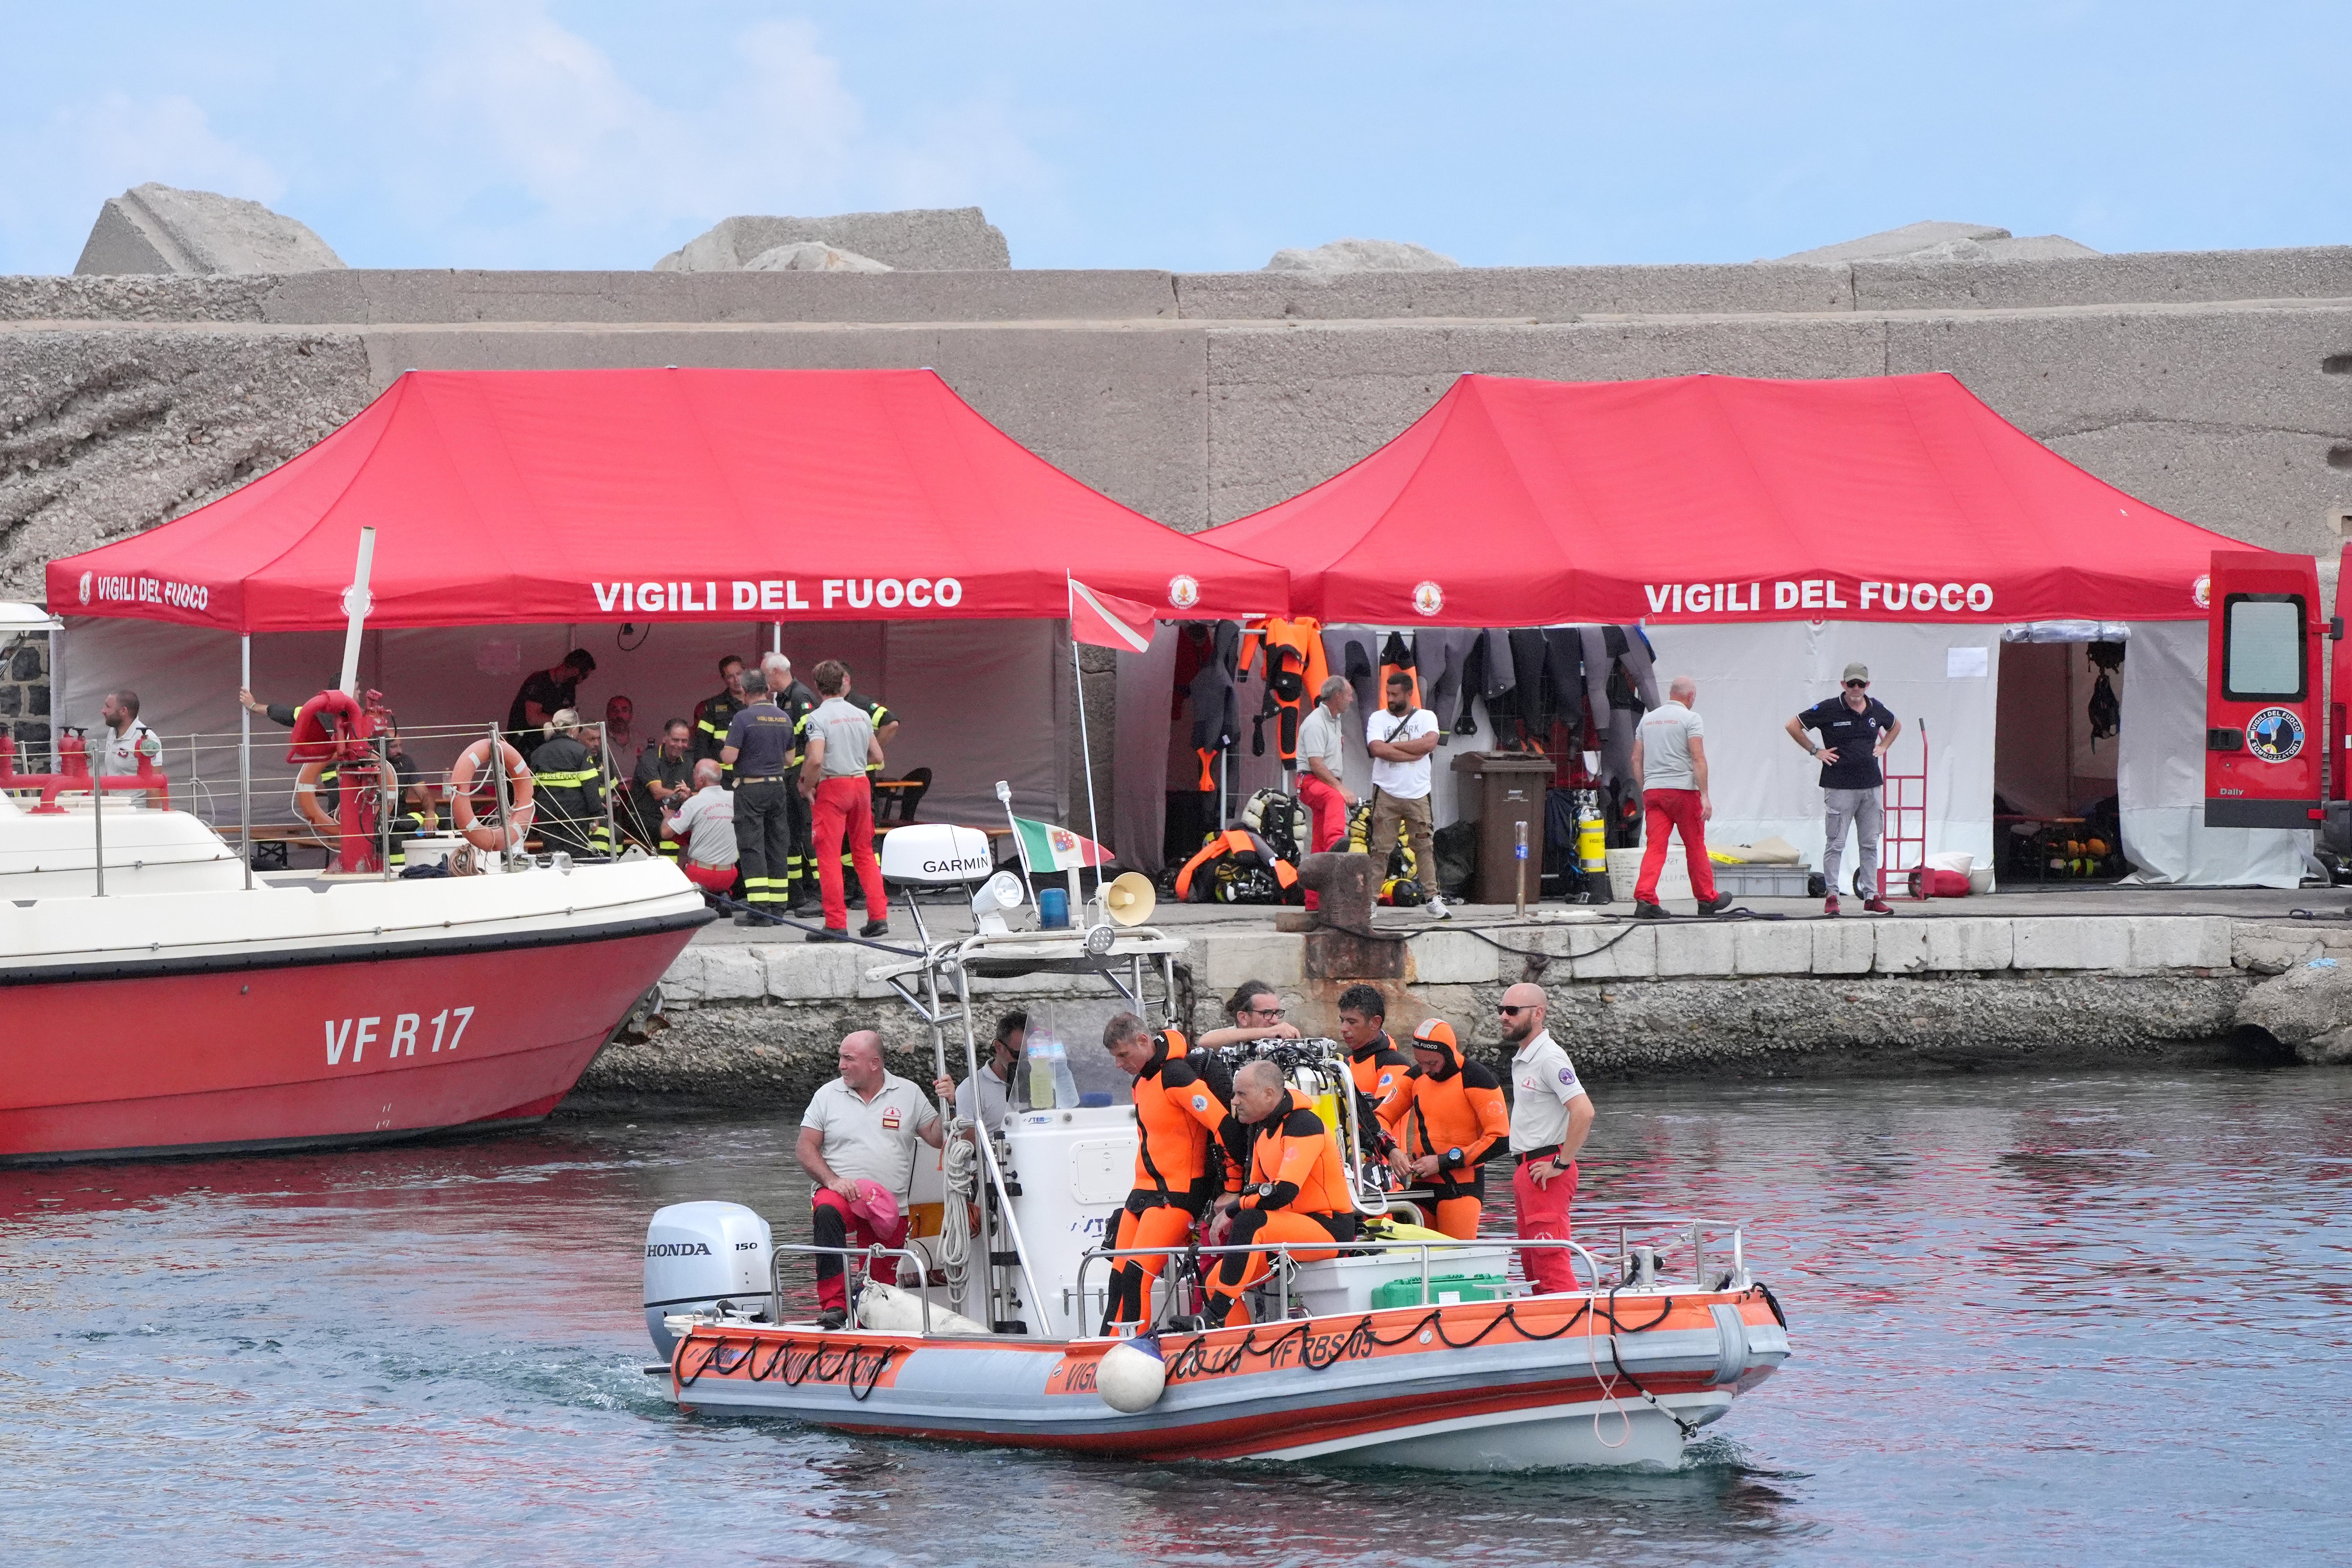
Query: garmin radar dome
(936, 855)
(700, 1256)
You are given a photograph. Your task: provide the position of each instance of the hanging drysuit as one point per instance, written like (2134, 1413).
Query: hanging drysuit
(1216, 710)
(1352, 652)
(1291, 652)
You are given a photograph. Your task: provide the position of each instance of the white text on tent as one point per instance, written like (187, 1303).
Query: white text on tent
(1817, 594)
(652, 598)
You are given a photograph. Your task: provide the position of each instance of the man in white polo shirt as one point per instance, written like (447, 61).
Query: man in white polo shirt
(1550, 1114)
(857, 1144)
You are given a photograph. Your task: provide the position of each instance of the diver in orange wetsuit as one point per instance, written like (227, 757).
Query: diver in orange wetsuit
(1455, 1118)
(1176, 1114)
(1295, 1191)
(1378, 1070)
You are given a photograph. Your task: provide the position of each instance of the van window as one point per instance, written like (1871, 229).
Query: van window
(2262, 659)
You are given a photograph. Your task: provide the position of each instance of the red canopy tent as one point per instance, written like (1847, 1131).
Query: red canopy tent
(1516, 502)
(543, 497)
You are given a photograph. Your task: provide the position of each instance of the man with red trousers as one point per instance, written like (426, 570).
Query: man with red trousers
(834, 774)
(1670, 766)
(857, 1144)
(1550, 1115)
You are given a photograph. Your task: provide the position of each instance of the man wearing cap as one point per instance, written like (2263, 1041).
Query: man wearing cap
(1855, 731)
(1550, 1114)
(857, 1144)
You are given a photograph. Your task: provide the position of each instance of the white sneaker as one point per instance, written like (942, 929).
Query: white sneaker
(1437, 910)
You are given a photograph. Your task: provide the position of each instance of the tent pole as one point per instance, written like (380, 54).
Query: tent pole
(245, 759)
(775, 637)
(1087, 761)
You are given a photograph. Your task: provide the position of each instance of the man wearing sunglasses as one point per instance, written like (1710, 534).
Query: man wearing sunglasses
(1855, 731)
(1550, 1114)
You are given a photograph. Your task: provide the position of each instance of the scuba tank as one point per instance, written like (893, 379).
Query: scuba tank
(1591, 836)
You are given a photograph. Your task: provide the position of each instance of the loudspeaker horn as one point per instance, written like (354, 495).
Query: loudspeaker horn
(1129, 900)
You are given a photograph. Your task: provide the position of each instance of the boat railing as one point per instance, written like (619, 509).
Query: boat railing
(1283, 1250)
(870, 1254)
(238, 783)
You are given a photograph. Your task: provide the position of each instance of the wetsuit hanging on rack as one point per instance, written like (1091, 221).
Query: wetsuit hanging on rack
(1292, 653)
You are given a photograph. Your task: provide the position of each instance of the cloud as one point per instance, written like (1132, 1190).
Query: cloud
(86, 152)
(518, 109)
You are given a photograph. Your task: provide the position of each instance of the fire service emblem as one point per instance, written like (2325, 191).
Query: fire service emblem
(1428, 598)
(2274, 734)
(1183, 591)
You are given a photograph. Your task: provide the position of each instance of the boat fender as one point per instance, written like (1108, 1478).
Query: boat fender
(1132, 1374)
(1731, 1355)
(886, 1306)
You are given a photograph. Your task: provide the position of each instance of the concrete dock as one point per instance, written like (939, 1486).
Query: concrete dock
(2061, 976)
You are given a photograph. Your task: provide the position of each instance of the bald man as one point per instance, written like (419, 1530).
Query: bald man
(858, 1135)
(1550, 1114)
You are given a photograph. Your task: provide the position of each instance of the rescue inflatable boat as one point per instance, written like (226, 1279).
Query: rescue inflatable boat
(1407, 1348)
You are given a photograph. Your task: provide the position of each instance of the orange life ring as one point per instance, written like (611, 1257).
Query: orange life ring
(486, 835)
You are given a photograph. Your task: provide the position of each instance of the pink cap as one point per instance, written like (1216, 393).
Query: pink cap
(876, 1203)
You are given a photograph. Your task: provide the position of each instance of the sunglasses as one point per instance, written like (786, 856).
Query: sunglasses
(1508, 1011)
(1856, 685)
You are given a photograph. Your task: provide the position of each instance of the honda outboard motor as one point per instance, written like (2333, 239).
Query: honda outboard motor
(698, 1255)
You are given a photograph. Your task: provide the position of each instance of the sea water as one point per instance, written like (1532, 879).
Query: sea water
(2036, 1318)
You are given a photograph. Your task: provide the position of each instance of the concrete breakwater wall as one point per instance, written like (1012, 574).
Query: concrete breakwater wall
(757, 1023)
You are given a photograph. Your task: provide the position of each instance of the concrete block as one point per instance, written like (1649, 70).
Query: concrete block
(1623, 953)
(1225, 959)
(2272, 949)
(816, 971)
(2177, 942)
(1697, 948)
(924, 238)
(1455, 958)
(1901, 946)
(1968, 944)
(1772, 947)
(1524, 294)
(158, 228)
(2060, 944)
(1843, 947)
(1362, 256)
(682, 980)
(733, 974)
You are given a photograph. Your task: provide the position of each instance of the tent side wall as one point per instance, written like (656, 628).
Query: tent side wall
(1753, 679)
(979, 700)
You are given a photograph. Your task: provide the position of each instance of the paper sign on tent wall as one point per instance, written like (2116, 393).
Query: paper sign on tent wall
(1967, 663)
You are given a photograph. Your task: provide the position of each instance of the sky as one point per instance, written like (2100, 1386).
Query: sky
(1193, 137)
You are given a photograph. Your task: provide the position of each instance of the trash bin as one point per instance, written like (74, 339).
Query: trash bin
(1503, 789)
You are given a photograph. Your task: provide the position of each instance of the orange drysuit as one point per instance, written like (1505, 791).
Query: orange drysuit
(1296, 1190)
(1176, 1114)
(1458, 1114)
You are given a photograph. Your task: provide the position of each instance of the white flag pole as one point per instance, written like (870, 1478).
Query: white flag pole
(1020, 847)
(356, 606)
(1085, 747)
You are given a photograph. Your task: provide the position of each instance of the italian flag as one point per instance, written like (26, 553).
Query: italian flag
(1049, 848)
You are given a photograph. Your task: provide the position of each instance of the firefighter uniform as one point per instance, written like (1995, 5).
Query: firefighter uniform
(762, 740)
(1176, 1114)
(1296, 1190)
(568, 790)
(712, 715)
(1457, 1113)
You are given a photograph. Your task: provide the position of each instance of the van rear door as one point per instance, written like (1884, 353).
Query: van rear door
(2263, 701)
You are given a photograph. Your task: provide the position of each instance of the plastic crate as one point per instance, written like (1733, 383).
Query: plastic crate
(1444, 1290)
(1762, 881)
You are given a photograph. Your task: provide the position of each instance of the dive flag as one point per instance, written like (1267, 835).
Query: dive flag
(1051, 849)
(1107, 622)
